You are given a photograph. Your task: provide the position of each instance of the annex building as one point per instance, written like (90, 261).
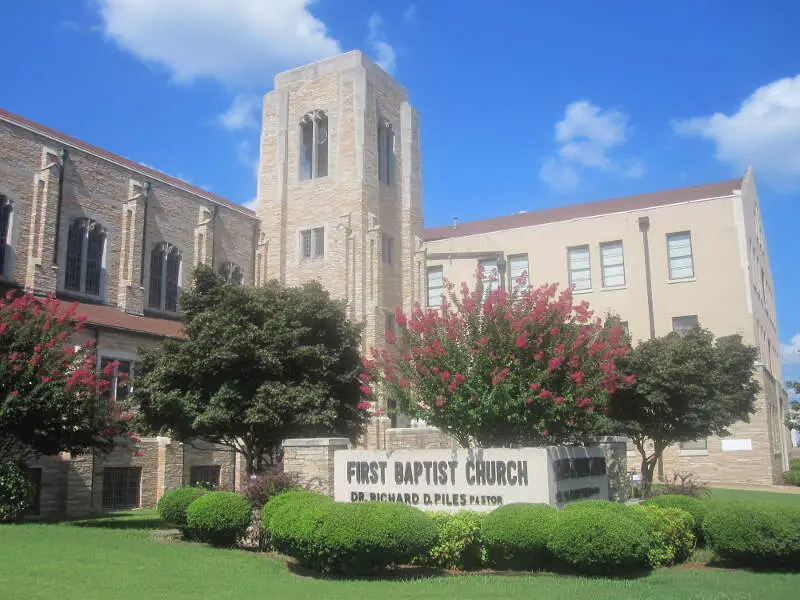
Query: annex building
(340, 200)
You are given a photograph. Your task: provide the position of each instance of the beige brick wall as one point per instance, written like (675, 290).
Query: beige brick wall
(310, 461)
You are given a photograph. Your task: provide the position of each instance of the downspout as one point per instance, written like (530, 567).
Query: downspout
(644, 226)
(62, 164)
(145, 196)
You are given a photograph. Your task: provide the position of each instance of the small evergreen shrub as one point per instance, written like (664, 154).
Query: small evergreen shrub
(792, 477)
(368, 537)
(754, 534)
(593, 538)
(292, 525)
(794, 465)
(696, 508)
(173, 504)
(672, 539)
(268, 484)
(14, 491)
(459, 542)
(277, 502)
(219, 518)
(516, 536)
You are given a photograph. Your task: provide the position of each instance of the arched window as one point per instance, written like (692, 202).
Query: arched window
(386, 157)
(165, 276)
(85, 244)
(5, 235)
(231, 273)
(314, 145)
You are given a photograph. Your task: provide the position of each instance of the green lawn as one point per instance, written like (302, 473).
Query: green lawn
(117, 557)
(783, 498)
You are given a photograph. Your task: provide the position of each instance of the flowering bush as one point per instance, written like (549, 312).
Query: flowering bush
(529, 368)
(52, 396)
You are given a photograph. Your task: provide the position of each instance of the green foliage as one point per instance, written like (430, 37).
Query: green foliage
(596, 538)
(292, 525)
(218, 518)
(277, 502)
(14, 490)
(696, 508)
(516, 536)
(794, 465)
(52, 396)
(495, 369)
(754, 534)
(459, 542)
(173, 504)
(687, 387)
(793, 414)
(672, 539)
(259, 364)
(791, 477)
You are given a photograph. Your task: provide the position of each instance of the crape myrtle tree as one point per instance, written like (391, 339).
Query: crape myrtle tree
(527, 368)
(258, 365)
(687, 387)
(52, 396)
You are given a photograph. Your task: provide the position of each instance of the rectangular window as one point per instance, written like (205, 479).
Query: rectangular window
(34, 492)
(612, 262)
(435, 286)
(624, 326)
(205, 476)
(517, 267)
(387, 248)
(695, 445)
(490, 279)
(312, 243)
(679, 251)
(121, 488)
(120, 378)
(580, 270)
(684, 324)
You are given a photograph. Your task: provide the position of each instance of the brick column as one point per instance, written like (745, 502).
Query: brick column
(79, 485)
(310, 460)
(170, 465)
(615, 449)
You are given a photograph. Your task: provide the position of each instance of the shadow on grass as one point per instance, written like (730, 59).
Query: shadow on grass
(122, 520)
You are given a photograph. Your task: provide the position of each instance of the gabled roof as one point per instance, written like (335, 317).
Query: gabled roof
(133, 166)
(586, 209)
(100, 315)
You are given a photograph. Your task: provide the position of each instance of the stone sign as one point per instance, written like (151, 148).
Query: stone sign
(470, 479)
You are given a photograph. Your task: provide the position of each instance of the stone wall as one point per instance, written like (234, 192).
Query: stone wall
(419, 438)
(310, 461)
(615, 451)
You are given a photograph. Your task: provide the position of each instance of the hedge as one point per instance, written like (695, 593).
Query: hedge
(14, 491)
(219, 518)
(459, 541)
(696, 508)
(754, 534)
(293, 526)
(672, 539)
(173, 504)
(601, 538)
(792, 477)
(516, 535)
(281, 500)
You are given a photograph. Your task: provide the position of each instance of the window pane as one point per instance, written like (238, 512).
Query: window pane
(206, 476)
(322, 145)
(517, 268)
(306, 146)
(613, 263)
(121, 488)
(173, 281)
(156, 275)
(580, 273)
(435, 286)
(5, 221)
(387, 248)
(490, 282)
(94, 260)
(679, 251)
(695, 445)
(75, 237)
(305, 240)
(319, 241)
(381, 153)
(122, 382)
(684, 324)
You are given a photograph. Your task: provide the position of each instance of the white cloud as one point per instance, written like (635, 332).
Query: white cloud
(384, 52)
(764, 132)
(236, 41)
(247, 156)
(790, 353)
(252, 205)
(242, 113)
(585, 138)
(410, 13)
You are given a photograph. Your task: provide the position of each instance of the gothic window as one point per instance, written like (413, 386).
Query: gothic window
(231, 273)
(314, 145)
(165, 273)
(386, 157)
(5, 235)
(85, 246)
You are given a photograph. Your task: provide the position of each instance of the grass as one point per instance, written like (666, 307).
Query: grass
(116, 556)
(726, 495)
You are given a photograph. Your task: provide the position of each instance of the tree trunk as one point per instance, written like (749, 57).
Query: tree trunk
(648, 465)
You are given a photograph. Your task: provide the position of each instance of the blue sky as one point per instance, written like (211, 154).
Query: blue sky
(523, 105)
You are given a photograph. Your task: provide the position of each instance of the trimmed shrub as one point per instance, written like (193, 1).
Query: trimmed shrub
(596, 539)
(794, 465)
(14, 491)
(292, 525)
(301, 497)
(671, 532)
(792, 477)
(219, 518)
(173, 504)
(268, 484)
(367, 537)
(754, 534)
(459, 542)
(693, 506)
(516, 536)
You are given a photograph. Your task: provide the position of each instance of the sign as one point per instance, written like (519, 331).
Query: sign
(470, 479)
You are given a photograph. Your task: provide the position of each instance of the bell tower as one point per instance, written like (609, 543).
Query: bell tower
(340, 189)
